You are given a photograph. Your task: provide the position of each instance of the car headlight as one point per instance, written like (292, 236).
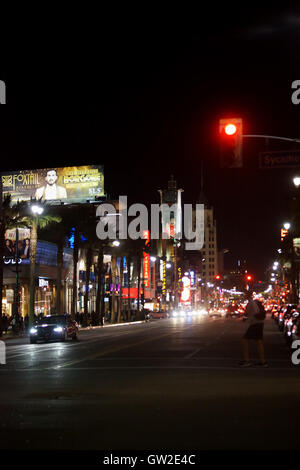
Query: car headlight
(33, 331)
(58, 329)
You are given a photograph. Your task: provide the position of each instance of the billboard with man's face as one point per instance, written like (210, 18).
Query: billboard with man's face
(70, 184)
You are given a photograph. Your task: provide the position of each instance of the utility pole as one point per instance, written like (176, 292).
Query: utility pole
(175, 275)
(17, 296)
(113, 293)
(120, 304)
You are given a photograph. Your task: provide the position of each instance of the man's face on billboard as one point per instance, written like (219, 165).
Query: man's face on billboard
(51, 177)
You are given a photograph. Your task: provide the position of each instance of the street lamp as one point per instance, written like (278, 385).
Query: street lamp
(296, 181)
(37, 210)
(287, 225)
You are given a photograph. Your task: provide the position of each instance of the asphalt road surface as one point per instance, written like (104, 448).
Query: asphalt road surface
(167, 384)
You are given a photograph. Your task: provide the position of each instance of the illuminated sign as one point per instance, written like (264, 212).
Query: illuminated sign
(186, 289)
(12, 261)
(164, 277)
(43, 282)
(70, 184)
(296, 245)
(179, 277)
(146, 267)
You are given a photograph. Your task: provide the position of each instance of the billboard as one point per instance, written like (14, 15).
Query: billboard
(296, 245)
(70, 184)
(12, 248)
(146, 256)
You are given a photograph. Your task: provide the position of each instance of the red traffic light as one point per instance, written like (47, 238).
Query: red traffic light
(249, 277)
(231, 138)
(230, 129)
(218, 277)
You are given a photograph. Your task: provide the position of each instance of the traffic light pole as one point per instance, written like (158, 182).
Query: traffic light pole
(271, 137)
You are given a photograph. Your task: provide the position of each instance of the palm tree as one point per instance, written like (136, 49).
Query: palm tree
(35, 221)
(68, 215)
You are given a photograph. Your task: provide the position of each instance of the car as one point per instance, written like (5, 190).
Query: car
(160, 314)
(285, 314)
(274, 311)
(215, 312)
(54, 328)
(179, 313)
(277, 313)
(295, 330)
(233, 311)
(289, 324)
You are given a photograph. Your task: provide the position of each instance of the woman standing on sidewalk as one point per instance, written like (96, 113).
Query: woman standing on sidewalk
(255, 316)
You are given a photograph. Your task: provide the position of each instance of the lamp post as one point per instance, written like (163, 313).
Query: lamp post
(17, 295)
(115, 244)
(36, 211)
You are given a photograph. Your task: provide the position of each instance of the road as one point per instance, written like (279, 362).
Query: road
(166, 384)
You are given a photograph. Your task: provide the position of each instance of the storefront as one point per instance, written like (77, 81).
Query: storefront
(46, 281)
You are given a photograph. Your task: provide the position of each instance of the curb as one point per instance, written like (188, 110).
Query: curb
(7, 338)
(110, 325)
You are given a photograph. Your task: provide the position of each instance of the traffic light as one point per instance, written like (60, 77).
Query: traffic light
(231, 138)
(218, 277)
(249, 278)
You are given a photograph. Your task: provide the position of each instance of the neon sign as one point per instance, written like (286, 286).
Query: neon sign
(186, 289)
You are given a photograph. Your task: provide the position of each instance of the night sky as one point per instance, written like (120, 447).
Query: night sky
(143, 97)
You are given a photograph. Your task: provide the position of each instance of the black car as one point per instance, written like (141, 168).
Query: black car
(53, 328)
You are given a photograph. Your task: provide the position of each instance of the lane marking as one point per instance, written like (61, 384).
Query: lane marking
(114, 349)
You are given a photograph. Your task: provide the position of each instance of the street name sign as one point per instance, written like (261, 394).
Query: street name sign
(281, 159)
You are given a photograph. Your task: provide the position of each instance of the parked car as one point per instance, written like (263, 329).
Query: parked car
(54, 328)
(285, 314)
(295, 330)
(288, 325)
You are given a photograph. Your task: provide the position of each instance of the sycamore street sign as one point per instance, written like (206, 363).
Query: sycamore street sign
(281, 159)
